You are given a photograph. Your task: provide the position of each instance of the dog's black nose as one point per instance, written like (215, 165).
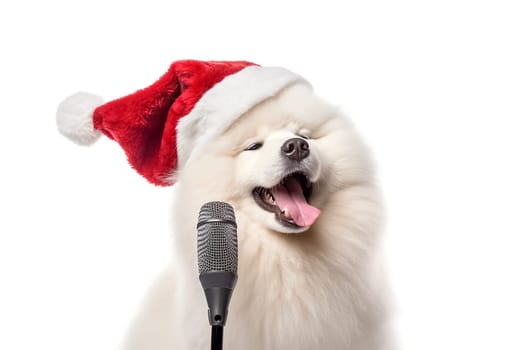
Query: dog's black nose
(296, 149)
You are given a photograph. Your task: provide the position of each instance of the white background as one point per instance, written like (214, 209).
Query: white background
(436, 87)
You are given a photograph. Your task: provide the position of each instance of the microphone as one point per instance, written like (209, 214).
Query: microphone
(217, 260)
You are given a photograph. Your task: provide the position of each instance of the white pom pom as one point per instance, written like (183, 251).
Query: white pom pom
(75, 118)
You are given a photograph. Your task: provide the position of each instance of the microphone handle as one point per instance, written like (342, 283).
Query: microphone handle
(216, 337)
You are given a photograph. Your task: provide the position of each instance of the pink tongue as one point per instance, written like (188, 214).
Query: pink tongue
(290, 196)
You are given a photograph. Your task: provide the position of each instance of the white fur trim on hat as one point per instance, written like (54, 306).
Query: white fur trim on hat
(75, 118)
(226, 101)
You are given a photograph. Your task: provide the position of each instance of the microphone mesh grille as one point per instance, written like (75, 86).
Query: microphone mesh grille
(217, 238)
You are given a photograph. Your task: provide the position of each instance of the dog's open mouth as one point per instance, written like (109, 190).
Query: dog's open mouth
(289, 200)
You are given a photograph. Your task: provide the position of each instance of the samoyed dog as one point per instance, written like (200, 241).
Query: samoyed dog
(309, 213)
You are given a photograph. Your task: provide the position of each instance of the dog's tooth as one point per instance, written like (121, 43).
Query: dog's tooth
(268, 197)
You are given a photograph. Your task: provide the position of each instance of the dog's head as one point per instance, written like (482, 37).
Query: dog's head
(280, 162)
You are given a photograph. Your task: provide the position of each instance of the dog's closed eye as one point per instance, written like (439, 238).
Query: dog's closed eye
(304, 133)
(254, 146)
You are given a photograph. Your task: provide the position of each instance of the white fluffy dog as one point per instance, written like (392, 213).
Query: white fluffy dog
(309, 214)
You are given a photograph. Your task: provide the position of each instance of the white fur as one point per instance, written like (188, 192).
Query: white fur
(75, 118)
(318, 289)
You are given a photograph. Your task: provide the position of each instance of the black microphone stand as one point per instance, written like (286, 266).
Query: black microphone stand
(216, 337)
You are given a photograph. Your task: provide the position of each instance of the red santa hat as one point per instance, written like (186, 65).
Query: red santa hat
(162, 126)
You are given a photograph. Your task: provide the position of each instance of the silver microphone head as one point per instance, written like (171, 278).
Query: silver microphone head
(217, 238)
